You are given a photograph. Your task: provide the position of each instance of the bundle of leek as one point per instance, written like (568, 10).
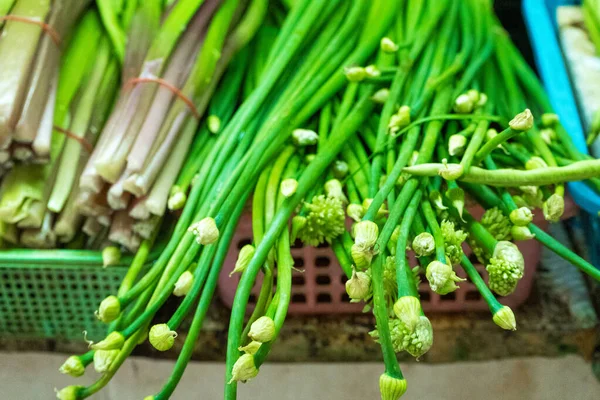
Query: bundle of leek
(32, 37)
(39, 200)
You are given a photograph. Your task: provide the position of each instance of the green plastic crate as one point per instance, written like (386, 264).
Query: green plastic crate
(51, 294)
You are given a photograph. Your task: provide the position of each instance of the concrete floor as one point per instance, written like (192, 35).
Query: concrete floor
(32, 376)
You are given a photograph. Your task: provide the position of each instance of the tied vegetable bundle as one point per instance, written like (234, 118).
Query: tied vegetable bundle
(388, 113)
(33, 34)
(97, 123)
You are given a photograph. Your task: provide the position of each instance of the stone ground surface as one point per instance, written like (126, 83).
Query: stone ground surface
(32, 376)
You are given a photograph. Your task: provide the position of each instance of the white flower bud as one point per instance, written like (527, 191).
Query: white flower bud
(362, 257)
(442, 278)
(381, 96)
(522, 122)
(244, 369)
(111, 255)
(535, 162)
(73, 366)
(304, 137)
(457, 144)
(408, 310)
(340, 169)
(491, 133)
(400, 119)
(554, 208)
(505, 319)
(521, 216)
(521, 233)
(391, 388)
(509, 252)
(372, 71)
(183, 284)
(262, 330)
(288, 187)
(103, 359)
(388, 46)
(473, 95)
(176, 200)
(423, 244)
(250, 348)
(358, 286)
(109, 309)
(482, 100)
(464, 104)
(548, 135)
(451, 172)
(355, 211)
(549, 120)
(113, 341)
(205, 230)
(365, 234)
(243, 260)
(333, 188)
(214, 123)
(161, 337)
(355, 73)
(68, 393)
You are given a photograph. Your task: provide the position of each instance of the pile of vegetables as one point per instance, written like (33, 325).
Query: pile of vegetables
(397, 115)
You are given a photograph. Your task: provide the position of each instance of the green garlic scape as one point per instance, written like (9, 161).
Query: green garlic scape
(549, 120)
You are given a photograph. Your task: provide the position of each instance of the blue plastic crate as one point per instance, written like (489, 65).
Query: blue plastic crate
(540, 19)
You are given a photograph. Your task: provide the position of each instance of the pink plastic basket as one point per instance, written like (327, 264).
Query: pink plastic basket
(318, 283)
